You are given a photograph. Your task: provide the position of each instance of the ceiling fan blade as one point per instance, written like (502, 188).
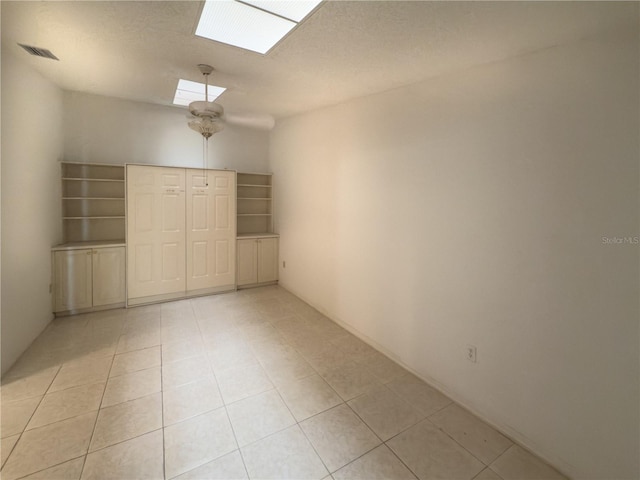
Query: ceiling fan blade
(250, 120)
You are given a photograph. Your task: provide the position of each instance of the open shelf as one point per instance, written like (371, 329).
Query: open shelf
(92, 202)
(254, 203)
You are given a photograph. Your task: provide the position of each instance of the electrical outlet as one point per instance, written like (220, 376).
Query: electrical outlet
(471, 353)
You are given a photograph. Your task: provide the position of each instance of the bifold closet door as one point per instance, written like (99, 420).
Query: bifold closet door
(211, 229)
(155, 231)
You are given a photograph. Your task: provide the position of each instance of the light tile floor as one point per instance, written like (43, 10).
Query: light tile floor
(251, 384)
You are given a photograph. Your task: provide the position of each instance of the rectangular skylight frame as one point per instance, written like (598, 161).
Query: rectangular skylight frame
(188, 91)
(249, 24)
(294, 10)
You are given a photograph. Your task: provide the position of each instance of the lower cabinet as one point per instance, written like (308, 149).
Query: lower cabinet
(257, 261)
(87, 278)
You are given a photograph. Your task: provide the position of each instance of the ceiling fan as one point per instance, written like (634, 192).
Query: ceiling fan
(208, 118)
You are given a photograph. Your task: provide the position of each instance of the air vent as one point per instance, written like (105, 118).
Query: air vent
(39, 52)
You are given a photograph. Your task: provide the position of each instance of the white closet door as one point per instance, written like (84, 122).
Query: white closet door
(155, 230)
(211, 228)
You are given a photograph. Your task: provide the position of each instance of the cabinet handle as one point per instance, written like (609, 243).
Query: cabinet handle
(89, 252)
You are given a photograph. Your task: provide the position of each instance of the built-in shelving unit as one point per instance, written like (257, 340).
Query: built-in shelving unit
(254, 204)
(93, 207)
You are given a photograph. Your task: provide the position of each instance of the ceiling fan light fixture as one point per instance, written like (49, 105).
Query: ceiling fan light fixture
(206, 126)
(207, 115)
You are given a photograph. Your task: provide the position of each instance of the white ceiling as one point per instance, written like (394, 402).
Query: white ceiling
(345, 49)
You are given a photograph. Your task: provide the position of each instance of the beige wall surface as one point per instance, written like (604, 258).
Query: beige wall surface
(108, 130)
(31, 149)
(482, 208)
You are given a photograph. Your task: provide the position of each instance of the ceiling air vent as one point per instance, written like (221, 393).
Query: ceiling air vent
(39, 52)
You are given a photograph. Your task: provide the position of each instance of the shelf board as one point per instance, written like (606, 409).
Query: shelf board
(254, 214)
(93, 217)
(94, 198)
(92, 179)
(251, 185)
(251, 198)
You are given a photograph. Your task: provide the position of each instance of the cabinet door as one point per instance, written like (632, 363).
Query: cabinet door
(108, 276)
(247, 261)
(211, 228)
(72, 280)
(267, 260)
(155, 230)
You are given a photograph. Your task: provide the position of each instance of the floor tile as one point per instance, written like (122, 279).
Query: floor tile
(185, 371)
(379, 464)
(131, 386)
(309, 396)
(228, 467)
(175, 351)
(517, 463)
(139, 458)
(234, 355)
(197, 441)
(15, 415)
(350, 380)
(190, 400)
(353, 346)
(135, 361)
(70, 470)
(430, 453)
(339, 436)
(419, 395)
(385, 413)
(259, 416)
(382, 367)
(127, 420)
(238, 383)
(138, 326)
(7, 446)
(328, 328)
(480, 439)
(82, 372)
(282, 456)
(281, 372)
(181, 332)
(67, 403)
(272, 309)
(258, 331)
(50, 445)
(32, 385)
(487, 474)
(138, 341)
(327, 357)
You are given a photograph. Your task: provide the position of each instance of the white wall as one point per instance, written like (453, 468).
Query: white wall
(31, 149)
(471, 209)
(109, 130)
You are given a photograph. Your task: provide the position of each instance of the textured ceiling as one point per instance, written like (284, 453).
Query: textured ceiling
(139, 50)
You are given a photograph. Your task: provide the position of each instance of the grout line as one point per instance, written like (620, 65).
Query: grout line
(95, 423)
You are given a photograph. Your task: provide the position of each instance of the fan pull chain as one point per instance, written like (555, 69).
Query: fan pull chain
(205, 160)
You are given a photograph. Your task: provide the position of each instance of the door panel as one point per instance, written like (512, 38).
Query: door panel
(211, 229)
(155, 230)
(108, 276)
(247, 261)
(73, 280)
(267, 260)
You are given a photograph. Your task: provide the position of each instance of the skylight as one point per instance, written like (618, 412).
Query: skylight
(255, 25)
(188, 91)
